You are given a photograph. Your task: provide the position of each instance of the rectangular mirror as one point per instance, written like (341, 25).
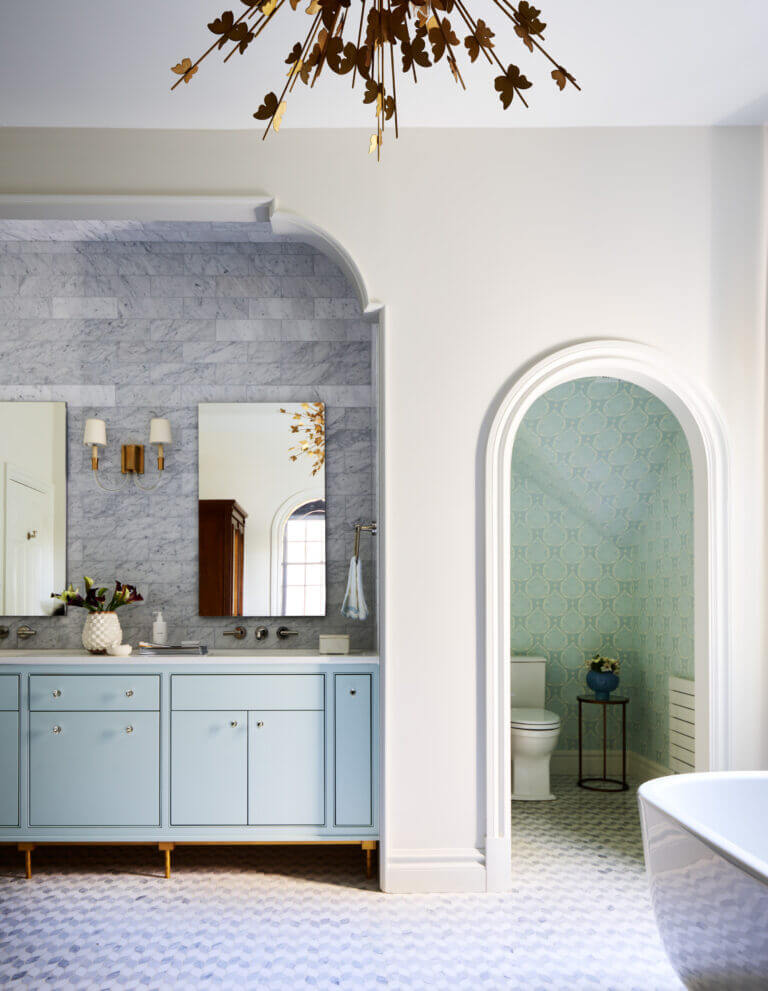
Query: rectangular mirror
(33, 507)
(262, 509)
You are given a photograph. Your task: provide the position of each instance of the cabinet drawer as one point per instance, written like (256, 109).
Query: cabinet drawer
(248, 691)
(96, 692)
(94, 769)
(9, 692)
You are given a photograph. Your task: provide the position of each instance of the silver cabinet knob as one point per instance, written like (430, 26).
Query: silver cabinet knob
(57, 729)
(56, 693)
(353, 691)
(233, 724)
(259, 725)
(129, 693)
(129, 729)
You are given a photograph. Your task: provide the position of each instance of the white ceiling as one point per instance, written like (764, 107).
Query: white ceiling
(104, 63)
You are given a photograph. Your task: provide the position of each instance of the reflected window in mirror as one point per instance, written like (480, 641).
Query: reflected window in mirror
(33, 507)
(302, 570)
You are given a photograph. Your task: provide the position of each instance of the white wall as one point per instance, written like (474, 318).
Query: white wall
(491, 248)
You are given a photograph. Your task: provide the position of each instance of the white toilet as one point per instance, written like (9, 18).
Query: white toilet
(534, 731)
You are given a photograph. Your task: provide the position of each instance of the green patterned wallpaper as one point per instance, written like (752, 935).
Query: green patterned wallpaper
(602, 549)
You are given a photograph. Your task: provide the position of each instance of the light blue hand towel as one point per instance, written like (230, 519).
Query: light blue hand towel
(354, 605)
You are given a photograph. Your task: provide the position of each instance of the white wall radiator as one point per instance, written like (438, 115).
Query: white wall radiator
(682, 725)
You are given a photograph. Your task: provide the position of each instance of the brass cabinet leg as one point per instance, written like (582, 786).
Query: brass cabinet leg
(166, 849)
(369, 847)
(26, 849)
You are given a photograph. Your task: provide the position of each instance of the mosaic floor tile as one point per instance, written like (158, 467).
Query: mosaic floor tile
(284, 918)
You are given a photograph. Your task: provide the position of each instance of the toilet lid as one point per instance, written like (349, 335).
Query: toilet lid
(534, 718)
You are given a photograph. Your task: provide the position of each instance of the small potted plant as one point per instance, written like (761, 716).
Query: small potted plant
(102, 627)
(602, 676)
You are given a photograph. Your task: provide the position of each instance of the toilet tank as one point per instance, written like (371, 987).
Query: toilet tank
(528, 678)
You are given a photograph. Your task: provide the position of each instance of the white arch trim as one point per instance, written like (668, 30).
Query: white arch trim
(655, 371)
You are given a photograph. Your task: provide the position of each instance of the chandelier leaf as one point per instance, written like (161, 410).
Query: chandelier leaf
(413, 33)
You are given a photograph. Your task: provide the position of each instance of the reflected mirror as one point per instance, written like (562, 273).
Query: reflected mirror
(262, 509)
(33, 507)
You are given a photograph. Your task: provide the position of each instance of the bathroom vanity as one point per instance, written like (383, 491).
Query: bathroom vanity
(236, 748)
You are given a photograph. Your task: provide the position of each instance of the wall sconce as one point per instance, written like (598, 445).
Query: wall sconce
(131, 455)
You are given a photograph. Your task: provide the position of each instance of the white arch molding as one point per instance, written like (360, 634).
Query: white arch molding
(652, 370)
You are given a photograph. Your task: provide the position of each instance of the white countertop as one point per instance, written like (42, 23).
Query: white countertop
(31, 656)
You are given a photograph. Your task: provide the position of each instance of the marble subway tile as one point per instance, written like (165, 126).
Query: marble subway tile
(183, 285)
(24, 308)
(325, 286)
(216, 308)
(232, 263)
(151, 307)
(91, 307)
(281, 307)
(182, 330)
(249, 330)
(327, 309)
(204, 352)
(248, 285)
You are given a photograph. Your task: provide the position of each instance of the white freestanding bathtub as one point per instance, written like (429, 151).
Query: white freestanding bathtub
(706, 852)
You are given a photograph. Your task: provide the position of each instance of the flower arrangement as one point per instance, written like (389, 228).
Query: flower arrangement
(310, 422)
(605, 665)
(95, 599)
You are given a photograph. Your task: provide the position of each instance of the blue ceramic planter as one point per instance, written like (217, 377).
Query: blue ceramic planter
(602, 684)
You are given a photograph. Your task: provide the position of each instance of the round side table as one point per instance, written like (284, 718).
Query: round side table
(605, 783)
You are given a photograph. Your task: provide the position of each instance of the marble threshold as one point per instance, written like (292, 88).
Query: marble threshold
(246, 656)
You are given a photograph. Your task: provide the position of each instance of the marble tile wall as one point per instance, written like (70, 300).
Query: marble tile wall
(126, 329)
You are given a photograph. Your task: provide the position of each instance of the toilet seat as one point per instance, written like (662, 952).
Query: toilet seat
(534, 719)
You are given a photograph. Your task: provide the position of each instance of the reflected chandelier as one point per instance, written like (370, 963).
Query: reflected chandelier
(417, 34)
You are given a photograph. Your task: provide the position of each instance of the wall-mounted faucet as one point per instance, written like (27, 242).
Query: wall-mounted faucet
(238, 633)
(261, 633)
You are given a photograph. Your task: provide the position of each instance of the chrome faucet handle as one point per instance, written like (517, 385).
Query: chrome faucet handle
(283, 632)
(238, 633)
(261, 633)
(25, 632)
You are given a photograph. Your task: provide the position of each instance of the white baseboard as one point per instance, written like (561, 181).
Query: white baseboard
(639, 768)
(435, 871)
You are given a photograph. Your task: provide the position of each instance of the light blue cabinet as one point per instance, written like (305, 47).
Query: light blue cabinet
(209, 768)
(192, 751)
(9, 768)
(353, 750)
(286, 768)
(94, 769)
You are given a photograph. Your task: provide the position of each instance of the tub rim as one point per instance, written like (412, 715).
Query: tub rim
(653, 792)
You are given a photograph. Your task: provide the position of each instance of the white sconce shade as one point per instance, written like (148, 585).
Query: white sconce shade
(159, 431)
(95, 432)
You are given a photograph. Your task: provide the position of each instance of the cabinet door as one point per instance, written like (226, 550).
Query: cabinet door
(94, 768)
(286, 768)
(209, 768)
(9, 768)
(353, 752)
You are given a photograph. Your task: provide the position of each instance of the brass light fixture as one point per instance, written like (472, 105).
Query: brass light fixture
(131, 455)
(415, 33)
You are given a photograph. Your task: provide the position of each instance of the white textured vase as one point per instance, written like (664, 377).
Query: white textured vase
(101, 629)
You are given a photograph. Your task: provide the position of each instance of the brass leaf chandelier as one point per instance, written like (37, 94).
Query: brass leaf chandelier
(417, 34)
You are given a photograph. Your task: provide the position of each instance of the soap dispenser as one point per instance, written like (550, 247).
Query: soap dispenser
(159, 629)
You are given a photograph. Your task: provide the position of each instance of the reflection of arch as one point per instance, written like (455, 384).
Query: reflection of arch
(652, 370)
(284, 511)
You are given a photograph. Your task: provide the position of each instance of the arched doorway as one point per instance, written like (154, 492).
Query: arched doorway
(651, 370)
